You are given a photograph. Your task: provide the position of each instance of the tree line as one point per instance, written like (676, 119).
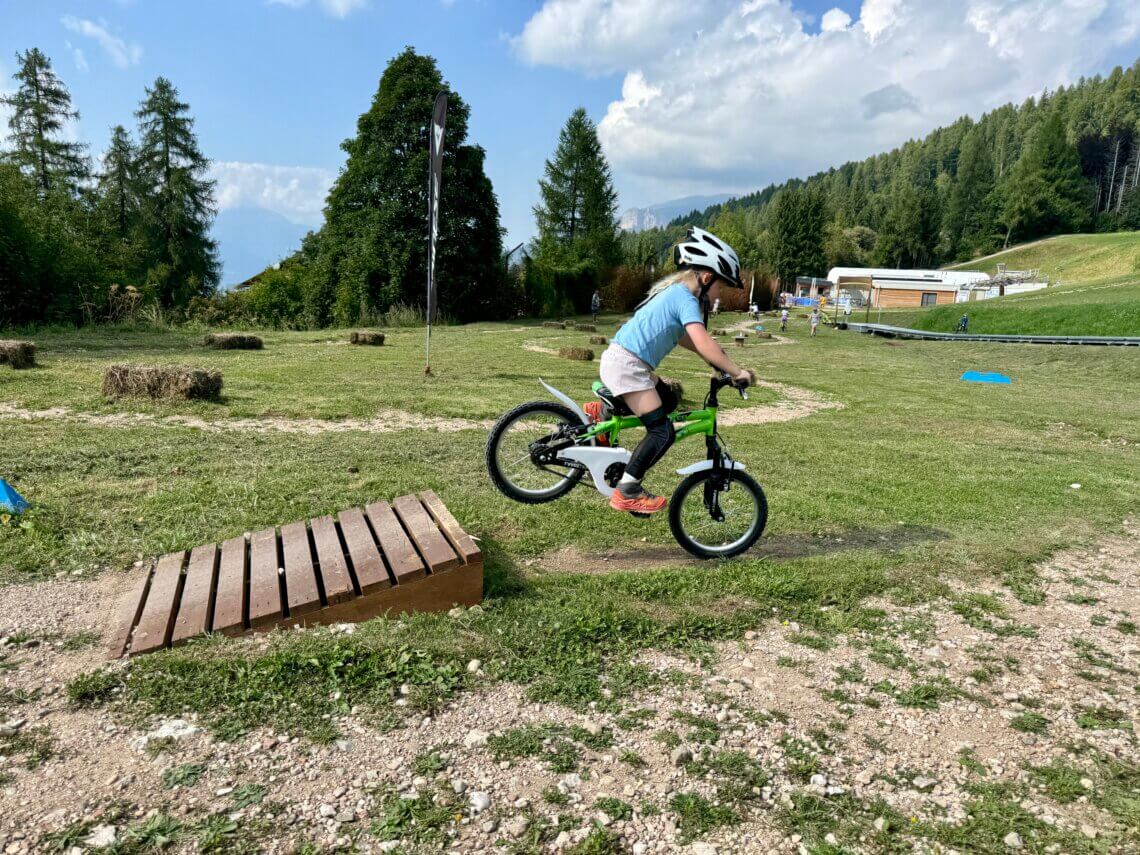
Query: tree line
(82, 243)
(1066, 161)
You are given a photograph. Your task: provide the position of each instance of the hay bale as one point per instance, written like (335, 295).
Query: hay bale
(554, 325)
(18, 354)
(234, 341)
(582, 354)
(180, 382)
(585, 328)
(598, 339)
(674, 385)
(761, 334)
(739, 340)
(376, 339)
(720, 332)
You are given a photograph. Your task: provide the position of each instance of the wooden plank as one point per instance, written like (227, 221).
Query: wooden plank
(437, 592)
(157, 620)
(433, 546)
(233, 589)
(460, 540)
(334, 568)
(371, 573)
(130, 610)
(264, 586)
(197, 594)
(300, 577)
(398, 549)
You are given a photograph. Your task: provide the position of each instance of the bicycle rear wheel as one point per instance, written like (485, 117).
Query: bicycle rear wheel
(718, 514)
(516, 458)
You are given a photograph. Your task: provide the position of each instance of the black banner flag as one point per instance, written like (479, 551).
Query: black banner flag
(435, 180)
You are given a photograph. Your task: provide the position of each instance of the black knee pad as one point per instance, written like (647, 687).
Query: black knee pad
(669, 400)
(659, 438)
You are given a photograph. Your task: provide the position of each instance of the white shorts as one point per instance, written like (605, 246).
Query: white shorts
(623, 372)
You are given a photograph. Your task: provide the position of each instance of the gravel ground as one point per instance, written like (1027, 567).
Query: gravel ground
(828, 717)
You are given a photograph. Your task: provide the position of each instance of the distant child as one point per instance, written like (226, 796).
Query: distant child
(783, 320)
(814, 320)
(716, 306)
(595, 305)
(963, 322)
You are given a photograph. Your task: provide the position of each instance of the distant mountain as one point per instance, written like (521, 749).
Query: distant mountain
(639, 219)
(250, 239)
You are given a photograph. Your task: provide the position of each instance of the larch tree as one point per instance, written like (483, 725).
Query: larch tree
(577, 214)
(796, 234)
(41, 108)
(971, 209)
(118, 206)
(178, 199)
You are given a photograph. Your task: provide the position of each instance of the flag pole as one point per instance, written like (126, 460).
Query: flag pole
(435, 180)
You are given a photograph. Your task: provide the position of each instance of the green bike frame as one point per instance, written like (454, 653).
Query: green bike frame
(686, 423)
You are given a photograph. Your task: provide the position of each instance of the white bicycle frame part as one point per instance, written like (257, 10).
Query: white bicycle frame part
(567, 400)
(597, 459)
(702, 465)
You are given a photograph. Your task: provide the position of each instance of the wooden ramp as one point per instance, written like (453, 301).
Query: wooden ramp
(407, 556)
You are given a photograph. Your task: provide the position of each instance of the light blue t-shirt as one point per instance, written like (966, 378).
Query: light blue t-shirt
(656, 327)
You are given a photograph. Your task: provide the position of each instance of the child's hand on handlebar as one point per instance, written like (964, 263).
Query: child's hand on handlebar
(744, 378)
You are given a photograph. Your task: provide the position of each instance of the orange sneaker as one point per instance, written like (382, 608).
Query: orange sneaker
(643, 503)
(594, 409)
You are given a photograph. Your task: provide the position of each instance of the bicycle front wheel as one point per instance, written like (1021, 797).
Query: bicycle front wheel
(718, 514)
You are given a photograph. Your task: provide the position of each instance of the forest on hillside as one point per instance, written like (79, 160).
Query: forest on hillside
(1067, 161)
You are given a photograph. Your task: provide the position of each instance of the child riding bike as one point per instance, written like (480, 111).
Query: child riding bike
(674, 313)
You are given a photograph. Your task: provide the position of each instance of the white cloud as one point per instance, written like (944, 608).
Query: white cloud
(336, 8)
(295, 192)
(835, 20)
(122, 53)
(755, 98)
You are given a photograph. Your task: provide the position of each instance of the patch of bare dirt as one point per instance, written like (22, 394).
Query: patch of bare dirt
(911, 711)
(385, 421)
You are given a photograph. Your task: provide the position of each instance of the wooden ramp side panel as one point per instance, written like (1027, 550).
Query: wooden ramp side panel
(197, 594)
(330, 555)
(402, 557)
(264, 583)
(433, 546)
(130, 610)
(371, 573)
(232, 599)
(460, 540)
(300, 577)
(157, 620)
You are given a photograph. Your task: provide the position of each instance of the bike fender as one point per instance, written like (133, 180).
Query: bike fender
(702, 465)
(567, 400)
(597, 460)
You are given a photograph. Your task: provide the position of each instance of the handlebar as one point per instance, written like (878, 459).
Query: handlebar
(720, 380)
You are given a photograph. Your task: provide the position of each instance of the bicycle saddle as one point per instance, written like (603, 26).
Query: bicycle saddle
(614, 402)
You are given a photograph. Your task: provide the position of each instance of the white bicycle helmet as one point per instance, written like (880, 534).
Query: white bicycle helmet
(705, 251)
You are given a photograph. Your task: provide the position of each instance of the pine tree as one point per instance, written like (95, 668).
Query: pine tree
(796, 234)
(970, 210)
(179, 199)
(371, 253)
(118, 209)
(41, 106)
(1046, 192)
(577, 216)
(118, 188)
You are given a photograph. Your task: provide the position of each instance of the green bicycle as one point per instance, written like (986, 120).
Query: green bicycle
(541, 450)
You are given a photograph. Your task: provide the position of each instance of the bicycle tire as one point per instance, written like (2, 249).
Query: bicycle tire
(743, 544)
(501, 482)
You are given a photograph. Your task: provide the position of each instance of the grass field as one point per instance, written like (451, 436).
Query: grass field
(1098, 291)
(918, 479)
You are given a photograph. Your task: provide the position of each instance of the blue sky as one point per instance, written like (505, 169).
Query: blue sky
(692, 96)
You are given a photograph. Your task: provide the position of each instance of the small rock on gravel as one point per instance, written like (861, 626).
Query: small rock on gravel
(475, 738)
(101, 837)
(518, 826)
(923, 783)
(681, 755)
(1012, 840)
(479, 801)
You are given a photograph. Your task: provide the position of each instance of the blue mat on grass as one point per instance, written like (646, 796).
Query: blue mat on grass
(10, 501)
(985, 377)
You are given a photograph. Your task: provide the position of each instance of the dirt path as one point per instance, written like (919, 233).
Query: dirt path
(908, 717)
(385, 421)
